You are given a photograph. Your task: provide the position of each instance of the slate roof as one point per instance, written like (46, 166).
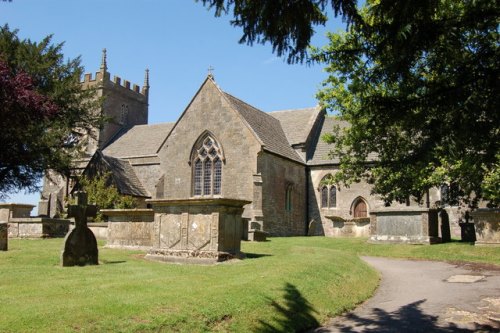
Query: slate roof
(297, 124)
(140, 140)
(267, 128)
(122, 173)
(321, 148)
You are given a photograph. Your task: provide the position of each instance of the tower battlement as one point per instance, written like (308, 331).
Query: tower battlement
(103, 77)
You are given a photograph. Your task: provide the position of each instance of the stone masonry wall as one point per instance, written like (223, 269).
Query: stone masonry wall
(277, 175)
(209, 111)
(345, 199)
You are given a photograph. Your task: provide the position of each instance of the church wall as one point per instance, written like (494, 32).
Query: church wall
(277, 175)
(148, 174)
(345, 199)
(126, 107)
(209, 111)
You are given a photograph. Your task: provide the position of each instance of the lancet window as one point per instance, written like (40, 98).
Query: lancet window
(207, 168)
(328, 193)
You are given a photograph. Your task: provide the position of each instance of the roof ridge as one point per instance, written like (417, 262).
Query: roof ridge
(294, 110)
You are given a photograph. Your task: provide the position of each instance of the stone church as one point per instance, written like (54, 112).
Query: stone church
(221, 146)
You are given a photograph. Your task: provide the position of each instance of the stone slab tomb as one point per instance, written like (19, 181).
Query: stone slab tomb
(487, 226)
(411, 225)
(80, 245)
(129, 228)
(4, 238)
(197, 230)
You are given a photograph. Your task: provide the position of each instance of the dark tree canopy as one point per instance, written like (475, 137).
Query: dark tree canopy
(43, 112)
(420, 88)
(287, 25)
(418, 81)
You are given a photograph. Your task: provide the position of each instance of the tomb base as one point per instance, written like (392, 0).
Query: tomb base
(408, 225)
(196, 230)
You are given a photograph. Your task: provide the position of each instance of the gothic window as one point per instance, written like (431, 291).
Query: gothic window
(328, 193)
(449, 194)
(207, 167)
(123, 114)
(288, 198)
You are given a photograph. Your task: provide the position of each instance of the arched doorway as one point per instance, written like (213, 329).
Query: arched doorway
(360, 209)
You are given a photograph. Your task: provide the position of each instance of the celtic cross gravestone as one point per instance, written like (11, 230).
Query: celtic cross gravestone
(80, 245)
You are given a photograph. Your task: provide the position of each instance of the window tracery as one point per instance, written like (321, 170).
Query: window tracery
(328, 193)
(207, 168)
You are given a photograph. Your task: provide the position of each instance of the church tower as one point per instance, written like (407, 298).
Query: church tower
(123, 105)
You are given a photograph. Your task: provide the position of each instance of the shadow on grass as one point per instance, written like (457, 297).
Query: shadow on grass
(106, 262)
(408, 318)
(255, 255)
(295, 315)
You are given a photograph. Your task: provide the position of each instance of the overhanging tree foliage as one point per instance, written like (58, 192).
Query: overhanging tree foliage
(420, 89)
(287, 25)
(44, 112)
(417, 80)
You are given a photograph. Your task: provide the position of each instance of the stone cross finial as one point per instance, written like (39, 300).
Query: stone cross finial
(81, 211)
(80, 245)
(104, 65)
(211, 71)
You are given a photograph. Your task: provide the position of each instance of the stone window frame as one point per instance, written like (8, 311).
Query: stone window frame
(124, 114)
(448, 194)
(206, 161)
(289, 198)
(327, 190)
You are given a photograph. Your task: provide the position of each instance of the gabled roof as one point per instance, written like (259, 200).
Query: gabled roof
(321, 149)
(140, 140)
(267, 128)
(122, 173)
(297, 124)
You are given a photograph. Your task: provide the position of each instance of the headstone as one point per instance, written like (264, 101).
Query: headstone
(4, 239)
(80, 245)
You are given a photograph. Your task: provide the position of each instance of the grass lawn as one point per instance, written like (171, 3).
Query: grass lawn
(285, 284)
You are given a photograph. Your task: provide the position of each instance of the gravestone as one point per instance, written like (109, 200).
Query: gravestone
(80, 245)
(4, 239)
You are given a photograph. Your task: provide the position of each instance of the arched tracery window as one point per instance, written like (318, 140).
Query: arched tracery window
(328, 193)
(207, 167)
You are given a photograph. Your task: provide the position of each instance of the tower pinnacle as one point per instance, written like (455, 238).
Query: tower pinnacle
(104, 65)
(145, 87)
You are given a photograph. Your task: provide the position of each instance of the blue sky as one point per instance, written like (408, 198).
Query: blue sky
(178, 40)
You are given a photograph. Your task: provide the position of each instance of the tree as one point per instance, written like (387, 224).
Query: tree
(416, 80)
(287, 25)
(424, 97)
(44, 112)
(104, 194)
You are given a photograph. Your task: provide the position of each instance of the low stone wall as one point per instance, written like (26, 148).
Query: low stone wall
(409, 225)
(38, 227)
(4, 239)
(487, 225)
(359, 227)
(129, 228)
(197, 230)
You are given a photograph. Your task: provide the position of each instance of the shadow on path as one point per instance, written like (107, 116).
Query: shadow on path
(408, 318)
(295, 315)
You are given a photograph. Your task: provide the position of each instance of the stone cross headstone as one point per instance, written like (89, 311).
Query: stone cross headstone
(80, 245)
(4, 236)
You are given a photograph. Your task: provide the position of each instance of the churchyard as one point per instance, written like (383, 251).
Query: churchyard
(284, 284)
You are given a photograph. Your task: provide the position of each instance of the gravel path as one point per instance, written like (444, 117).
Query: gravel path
(427, 296)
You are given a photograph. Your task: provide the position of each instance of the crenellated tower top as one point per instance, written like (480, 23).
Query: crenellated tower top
(103, 78)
